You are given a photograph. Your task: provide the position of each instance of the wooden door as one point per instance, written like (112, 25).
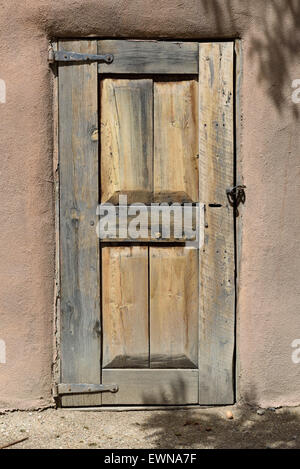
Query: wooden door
(153, 315)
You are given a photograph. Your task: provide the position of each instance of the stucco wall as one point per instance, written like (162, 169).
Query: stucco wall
(268, 161)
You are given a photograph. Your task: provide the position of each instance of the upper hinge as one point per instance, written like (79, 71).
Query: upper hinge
(66, 56)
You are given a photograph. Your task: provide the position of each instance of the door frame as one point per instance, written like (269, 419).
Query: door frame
(238, 222)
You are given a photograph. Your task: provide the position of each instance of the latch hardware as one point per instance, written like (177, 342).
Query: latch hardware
(235, 196)
(85, 388)
(66, 56)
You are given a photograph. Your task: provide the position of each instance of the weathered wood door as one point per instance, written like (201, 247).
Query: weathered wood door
(153, 316)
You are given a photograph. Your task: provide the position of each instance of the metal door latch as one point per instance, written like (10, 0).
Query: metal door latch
(60, 389)
(66, 56)
(235, 196)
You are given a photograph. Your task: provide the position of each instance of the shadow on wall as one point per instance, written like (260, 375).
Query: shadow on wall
(209, 428)
(275, 48)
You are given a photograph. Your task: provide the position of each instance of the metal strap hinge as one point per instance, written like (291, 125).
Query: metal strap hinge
(66, 56)
(236, 196)
(84, 388)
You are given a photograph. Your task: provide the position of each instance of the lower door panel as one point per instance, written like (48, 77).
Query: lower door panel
(151, 387)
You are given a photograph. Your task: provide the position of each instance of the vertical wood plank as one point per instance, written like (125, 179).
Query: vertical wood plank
(56, 324)
(80, 286)
(126, 140)
(217, 294)
(239, 180)
(174, 307)
(125, 307)
(176, 141)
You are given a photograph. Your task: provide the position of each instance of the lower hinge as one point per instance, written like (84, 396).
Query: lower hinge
(60, 389)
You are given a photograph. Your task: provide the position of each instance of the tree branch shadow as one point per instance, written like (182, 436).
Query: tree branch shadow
(210, 428)
(275, 45)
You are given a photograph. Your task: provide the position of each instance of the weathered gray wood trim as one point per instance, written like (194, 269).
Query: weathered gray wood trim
(79, 245)
(56, 322)
(217, 282)
(134, 56)
(239, 180)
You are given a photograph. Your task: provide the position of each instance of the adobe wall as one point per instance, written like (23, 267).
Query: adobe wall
(268, 160)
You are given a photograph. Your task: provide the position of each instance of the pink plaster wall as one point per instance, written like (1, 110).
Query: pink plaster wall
(269, 287)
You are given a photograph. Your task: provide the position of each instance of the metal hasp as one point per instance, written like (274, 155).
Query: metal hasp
(85, 388)
(65, 56)
(235, 196)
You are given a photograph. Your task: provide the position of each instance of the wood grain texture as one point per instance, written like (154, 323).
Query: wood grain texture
(174, 307)
(79, 267)
(159, 57)
(150, 387)
(216, 141)
(125, 307)
(81, 400)
(176, 141)
(126, 140)
(239, 59)
(217, 294)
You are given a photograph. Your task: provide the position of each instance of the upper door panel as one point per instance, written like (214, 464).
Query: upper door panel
(149, 140)
(149, 122)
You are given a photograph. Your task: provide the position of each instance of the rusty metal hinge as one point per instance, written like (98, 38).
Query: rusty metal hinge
(235, 196)
(66, 56)
(62, 388)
